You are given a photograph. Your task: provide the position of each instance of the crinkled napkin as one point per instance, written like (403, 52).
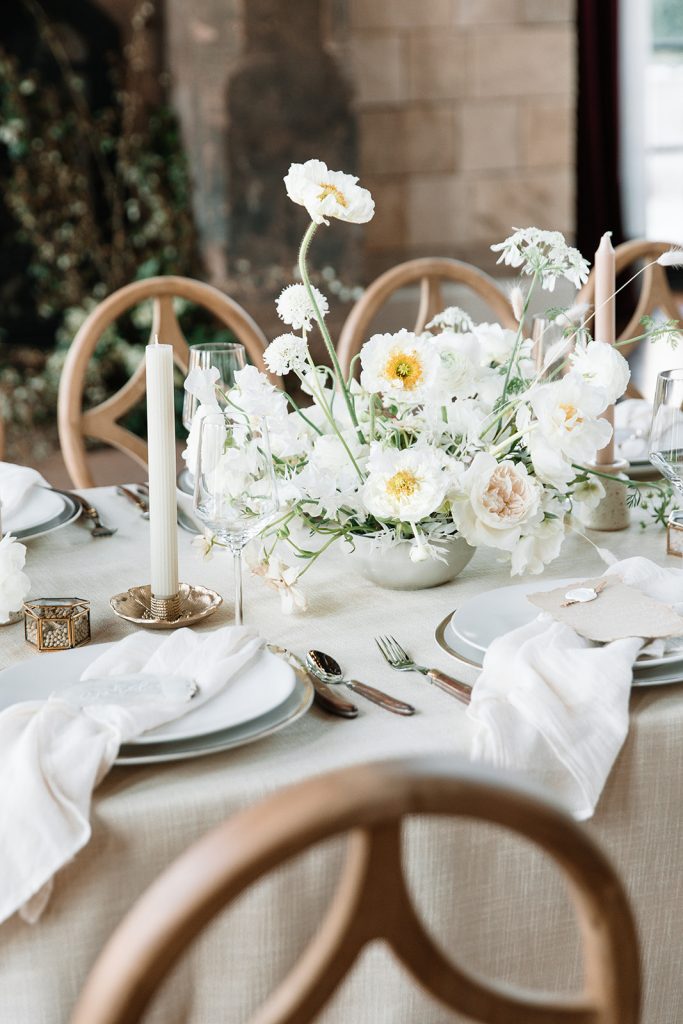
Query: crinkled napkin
(618, 611)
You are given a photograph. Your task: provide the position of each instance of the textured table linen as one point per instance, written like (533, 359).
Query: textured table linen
(490, 900)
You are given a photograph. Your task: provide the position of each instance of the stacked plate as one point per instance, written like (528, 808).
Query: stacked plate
(467, 633)
(264, 697)
(42, 511)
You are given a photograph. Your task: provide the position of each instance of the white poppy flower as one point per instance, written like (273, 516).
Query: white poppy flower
(603, 366)
(405, 485)
(201, 384)
(14, 584)
(327, 193)
(285, 354)
(400, 366)
(494, 500)
(294, 306)
(567, 411)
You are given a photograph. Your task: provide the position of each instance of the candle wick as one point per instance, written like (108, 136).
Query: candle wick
(156, 338)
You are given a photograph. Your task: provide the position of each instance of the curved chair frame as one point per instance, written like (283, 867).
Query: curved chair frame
(655, 292)
(101, 422)
(429, 272)
(372, 900)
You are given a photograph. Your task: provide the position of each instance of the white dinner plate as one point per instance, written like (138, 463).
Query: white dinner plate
(44, 510)
(473, 627)
(469, 663)
(260, 688)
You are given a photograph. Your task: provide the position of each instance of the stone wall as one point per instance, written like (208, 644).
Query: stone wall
(466, 121)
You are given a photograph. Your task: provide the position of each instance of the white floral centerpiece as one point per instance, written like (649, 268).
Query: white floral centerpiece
(452, 433)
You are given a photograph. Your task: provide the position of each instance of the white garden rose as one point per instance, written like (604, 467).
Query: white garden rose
(400, 366)
(14, 584)
(327, 193)
(405, 485)
(494, 500)
(602, 366)
(567, 412)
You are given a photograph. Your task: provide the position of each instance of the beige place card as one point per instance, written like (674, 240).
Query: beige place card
(617, 611)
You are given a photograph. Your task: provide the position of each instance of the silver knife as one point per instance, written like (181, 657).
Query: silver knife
(325, 696)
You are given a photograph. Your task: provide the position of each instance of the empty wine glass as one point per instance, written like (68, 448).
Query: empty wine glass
(235, 492)
(227, 356)
(666, 431)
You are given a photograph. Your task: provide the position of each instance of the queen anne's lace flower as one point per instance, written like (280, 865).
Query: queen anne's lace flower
(327, 193)
(452, 319)
(295, 308)
(285, 354)
(545, 253)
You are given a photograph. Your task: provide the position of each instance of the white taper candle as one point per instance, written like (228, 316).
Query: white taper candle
(163, 529)
(605, 330)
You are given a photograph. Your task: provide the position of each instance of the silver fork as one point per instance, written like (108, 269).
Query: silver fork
(394, 654)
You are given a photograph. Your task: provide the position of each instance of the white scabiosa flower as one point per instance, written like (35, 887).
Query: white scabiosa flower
(399, 366)
(452, 319)
(327, 193)
(545, 253)
(405, 486)
(285, 354)
(295, 308)
(494, 500)
(602, 366)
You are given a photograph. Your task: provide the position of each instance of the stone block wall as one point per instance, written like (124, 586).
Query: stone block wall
(466, 121)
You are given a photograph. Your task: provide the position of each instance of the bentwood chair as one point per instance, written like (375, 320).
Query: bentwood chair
(655, 294)
(101, 422)
(429, 273)
(372, 901)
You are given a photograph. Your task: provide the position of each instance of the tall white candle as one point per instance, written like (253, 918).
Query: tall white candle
(163, 530)
(605, 330)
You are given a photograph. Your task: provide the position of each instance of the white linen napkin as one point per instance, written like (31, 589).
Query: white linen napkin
(54, 753)
(15, 484)
(550, 703)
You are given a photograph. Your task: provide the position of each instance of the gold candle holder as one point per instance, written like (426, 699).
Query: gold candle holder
(189, 605)
(57, 623)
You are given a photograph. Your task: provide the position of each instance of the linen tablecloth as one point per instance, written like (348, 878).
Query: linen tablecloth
(490, 900)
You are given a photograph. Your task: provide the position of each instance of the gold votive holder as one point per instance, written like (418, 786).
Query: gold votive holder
(57, 623)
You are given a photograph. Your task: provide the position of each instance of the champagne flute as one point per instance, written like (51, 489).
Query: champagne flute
(235, 492)
(666, 432)
(227, 356)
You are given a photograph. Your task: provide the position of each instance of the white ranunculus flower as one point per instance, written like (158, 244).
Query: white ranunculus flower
(286, 354)
(400, 366)
(534, 550)
(295, 308)
(493, 501)
(201, 384)
(14, 584)
(602, 366)
(458, 375)
(405, 485)
(327, 193)
(567, 411)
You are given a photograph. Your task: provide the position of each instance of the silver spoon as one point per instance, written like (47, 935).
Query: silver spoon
(328, 669)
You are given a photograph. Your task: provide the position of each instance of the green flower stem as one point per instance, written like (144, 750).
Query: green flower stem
(301, 413)
(622, 479)
(511, 440)
(520, 333)
(326, 545)
(331, 420)
(303, 270)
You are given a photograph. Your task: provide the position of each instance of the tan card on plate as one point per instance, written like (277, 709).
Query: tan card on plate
(617, 611)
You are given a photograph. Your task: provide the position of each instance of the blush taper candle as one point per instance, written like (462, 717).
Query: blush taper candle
(162, 471)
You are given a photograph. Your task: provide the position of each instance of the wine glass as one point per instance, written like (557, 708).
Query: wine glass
(666, 431)
(235, 492)
(227, 356)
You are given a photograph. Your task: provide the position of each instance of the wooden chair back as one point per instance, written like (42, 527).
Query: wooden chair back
(101, 422)
(429, 273)
(372, 901)
(655, 292)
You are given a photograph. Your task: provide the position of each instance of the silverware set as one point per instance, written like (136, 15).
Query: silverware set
(139, 496)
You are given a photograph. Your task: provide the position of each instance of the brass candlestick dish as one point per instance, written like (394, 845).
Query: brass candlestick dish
(191, 604)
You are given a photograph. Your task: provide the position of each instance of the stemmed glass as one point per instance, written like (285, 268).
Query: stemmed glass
(235, 492)
(666, 431)
(228, 357)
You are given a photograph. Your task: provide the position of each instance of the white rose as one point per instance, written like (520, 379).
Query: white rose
(602, 366)
(494, 500)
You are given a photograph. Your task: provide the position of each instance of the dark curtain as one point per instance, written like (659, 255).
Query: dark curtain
(598, 196)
